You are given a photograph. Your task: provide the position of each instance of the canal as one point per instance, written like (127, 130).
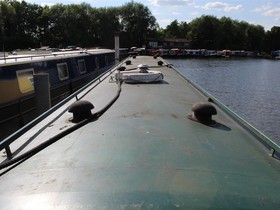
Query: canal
(249, 87)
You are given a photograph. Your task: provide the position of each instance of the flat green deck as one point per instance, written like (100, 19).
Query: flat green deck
(144, 153)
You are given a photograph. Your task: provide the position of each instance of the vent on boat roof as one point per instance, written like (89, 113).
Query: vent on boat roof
(202, 112)
(81, 110)
(143, 68)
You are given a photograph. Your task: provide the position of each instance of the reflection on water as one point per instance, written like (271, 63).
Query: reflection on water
(249, 87)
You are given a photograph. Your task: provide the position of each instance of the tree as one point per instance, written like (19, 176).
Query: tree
(137, 23)
(26, 28)
(107, 25)
(272, 41)
(77, 25)
(256, 36)
(7, 21)
(173, 30)
(176, 30)
(205, 32)
(56, 35)
(184, 29)
(228, 33)
(241, 38)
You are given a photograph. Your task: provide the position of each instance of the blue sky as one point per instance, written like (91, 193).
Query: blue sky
(259, 12)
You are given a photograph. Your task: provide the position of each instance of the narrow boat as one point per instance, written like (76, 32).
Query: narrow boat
(68, 71)
(116, 145)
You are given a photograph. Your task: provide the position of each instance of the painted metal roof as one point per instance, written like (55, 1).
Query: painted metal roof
(29, 56)
(142, 153)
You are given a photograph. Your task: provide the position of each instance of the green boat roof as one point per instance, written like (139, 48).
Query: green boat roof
(142, 153)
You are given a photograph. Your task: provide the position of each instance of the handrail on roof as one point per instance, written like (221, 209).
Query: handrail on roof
(53, 54)
(16, 58)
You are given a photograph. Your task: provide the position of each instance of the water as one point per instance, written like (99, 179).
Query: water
(249, 87)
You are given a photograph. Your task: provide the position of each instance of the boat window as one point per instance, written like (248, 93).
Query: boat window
(25, 80)
(62, 70)
(82, 66)
(97, 63)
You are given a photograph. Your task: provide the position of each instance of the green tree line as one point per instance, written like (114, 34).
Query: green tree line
(24, 25)
(210, 32)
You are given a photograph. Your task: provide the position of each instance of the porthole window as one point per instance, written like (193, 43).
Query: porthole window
(97, 63)
(25, 80)
(82, 66)
(62, 70)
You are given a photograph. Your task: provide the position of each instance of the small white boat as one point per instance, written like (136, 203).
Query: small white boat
(141, 75)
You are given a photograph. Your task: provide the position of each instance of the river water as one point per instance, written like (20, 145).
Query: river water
(249, 87)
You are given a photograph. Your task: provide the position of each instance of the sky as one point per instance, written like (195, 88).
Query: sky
(259, 12)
